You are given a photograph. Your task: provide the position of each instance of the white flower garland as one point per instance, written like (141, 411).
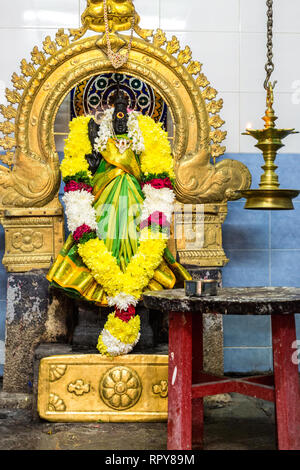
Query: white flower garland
(115, 347)
(106, 132)
(79, 209)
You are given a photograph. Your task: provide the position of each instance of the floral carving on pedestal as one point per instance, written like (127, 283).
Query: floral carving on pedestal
(120, 388)
(56, 403)
(56, 371)
(161, 389)
(79, 387)
(27, 240)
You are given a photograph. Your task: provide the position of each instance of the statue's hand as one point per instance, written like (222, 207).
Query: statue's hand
(93, 160)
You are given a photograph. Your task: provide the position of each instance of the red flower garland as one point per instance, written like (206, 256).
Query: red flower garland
(80, 231)
(156, 217)
(74, 186)
(125, 315)
(159, 183)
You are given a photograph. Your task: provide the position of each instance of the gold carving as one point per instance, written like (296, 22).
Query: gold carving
(9, 112)
(27, 69)
(185, 56)
(19, 82)
(173, 46)
(8, 158)
(79, 387)
(159, 38)
(119, 16)
(12, 96)
(37, 56)
(194, 67)
(161, 389)
(120, 388)
(139, 370)
(27, 240)
(7, 127)
(202, 81)
(61, 38)
(49, 46)
(56, 403)
(56, 372)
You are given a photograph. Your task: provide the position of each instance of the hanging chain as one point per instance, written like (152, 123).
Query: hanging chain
(269, 65)
(117, 60)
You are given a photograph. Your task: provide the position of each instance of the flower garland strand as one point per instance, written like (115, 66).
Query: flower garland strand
(122, 329)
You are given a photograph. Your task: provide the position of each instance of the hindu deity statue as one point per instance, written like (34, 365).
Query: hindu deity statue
(119, 197)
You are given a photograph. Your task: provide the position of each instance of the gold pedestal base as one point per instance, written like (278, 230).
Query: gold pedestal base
(93, 388)
(270, 199)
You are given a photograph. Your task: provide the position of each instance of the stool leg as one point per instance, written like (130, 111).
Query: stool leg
(286, 382)
(180, 382)
(197, 404)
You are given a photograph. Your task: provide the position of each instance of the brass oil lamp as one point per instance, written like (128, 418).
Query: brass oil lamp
(269, 196)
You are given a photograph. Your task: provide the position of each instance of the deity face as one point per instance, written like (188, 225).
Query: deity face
(120, 14)
(120, 119)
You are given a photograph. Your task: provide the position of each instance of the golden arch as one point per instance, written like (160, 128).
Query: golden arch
(31, 178)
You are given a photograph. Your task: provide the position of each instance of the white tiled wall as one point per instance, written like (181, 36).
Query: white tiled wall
(227, 36)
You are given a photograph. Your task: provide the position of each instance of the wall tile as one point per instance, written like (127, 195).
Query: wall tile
(248, 360)
(246, 268)
(245, 229)
(198, 15)
(40, 14)
(286, 15)
(285, 268)
(220, 63)
(285, 229)
(247, 331)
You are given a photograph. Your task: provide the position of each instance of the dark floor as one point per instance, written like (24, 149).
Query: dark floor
(242, 424)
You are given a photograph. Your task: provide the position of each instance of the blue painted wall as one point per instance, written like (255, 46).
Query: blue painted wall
(264, 250)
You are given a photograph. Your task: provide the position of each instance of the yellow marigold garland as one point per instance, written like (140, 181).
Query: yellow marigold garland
(157, 157)
(77, 146)
(140, 270)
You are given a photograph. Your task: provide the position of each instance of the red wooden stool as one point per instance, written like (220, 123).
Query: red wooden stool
(188, 384)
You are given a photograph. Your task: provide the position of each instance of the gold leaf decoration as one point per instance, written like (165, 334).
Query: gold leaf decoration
(49, 46)
(202, 81)
(12, 96)
(38, 58)
(194, 67)
(209, 93)
(173, 46)
(77, 33)
(19, 82)
(217, 150)
(56, 403)
(8, 158)
(215, 106)
(7, 127)
(61, 38)
(185, 56)
(143, 33)
(9, 112)
(216, 121)
(27, 68)
(218, 136)
(159, 38)
(56, 371)
(7, 142)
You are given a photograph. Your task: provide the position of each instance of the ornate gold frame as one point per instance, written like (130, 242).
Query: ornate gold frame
(30, 181)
